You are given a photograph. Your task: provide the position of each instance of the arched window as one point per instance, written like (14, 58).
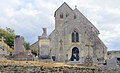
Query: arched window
(75, 36)
(61, 16)
(67, 14)
(74, 16)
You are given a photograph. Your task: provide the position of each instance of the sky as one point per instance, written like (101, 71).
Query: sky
(28, 17)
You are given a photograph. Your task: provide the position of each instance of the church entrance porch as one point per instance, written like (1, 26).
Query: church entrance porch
(75, 54)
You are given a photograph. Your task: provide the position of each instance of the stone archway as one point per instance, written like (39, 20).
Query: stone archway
(75, 54)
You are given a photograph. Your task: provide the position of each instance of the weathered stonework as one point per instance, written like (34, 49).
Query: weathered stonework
(74, 39)
(9, 66)
(18, 44)
(62, 69)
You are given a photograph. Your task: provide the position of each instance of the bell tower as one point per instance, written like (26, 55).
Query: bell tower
(61, 14)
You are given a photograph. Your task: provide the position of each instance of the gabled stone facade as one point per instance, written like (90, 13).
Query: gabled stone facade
(74, 39)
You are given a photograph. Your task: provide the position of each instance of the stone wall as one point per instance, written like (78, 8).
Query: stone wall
(10, 66)
(42, 69)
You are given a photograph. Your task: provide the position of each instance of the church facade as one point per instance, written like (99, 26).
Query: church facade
(74, 39)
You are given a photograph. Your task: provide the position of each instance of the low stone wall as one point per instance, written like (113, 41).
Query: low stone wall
(43, 67)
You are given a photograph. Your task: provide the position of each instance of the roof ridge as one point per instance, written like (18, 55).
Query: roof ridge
(61, 6)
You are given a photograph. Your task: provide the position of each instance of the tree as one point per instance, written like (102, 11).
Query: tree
(9, 36)
(7, 47)
(9, 30)
(26, 45)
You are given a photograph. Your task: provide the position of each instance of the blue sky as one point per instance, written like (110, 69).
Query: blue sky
(28, 17)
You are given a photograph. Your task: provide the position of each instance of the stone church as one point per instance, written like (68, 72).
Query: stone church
(74, 39)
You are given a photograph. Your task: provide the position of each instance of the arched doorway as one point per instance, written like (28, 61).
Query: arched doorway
(75, 54)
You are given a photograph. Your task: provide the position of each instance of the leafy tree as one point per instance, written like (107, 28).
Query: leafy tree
(9, 30)
(26, 45)
(7, 47)
(9, 35)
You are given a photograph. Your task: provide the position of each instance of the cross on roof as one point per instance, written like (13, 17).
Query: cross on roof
(75, 6)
